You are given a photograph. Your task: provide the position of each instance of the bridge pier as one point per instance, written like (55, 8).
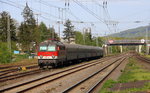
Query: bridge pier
(121, 50)
(109, 49)
(136, 48)
(105, 48)
(140, 48)
(147, 49)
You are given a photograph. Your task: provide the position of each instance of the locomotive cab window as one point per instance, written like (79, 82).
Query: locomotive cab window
(43, 48)
(51, 48)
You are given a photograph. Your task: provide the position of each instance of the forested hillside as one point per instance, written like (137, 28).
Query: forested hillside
(133, 33)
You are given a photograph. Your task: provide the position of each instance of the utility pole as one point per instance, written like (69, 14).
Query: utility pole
(62, 15)
(37, 17)
(53, 32)
(96, 39)
(59, 23)
(84, 35)
(59, 28)
(8, 34)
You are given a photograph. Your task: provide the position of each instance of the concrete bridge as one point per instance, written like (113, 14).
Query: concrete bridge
(126, 42)
(121, 43)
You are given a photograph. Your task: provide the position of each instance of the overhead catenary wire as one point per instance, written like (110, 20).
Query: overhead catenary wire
(35, 10)
(53, 18)
(89, 11)
(42, 2)
(60, 8)
(92, 13)
(10, 4)
(21, 7)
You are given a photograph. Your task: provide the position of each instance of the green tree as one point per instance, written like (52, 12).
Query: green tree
(100, 41)
(28, 30)
(87, 39)
(3, 27)
(68, 31)
(79, 38)
(43, 31)
(46, 33)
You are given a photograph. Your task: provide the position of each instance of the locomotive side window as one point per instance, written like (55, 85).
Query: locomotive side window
(61, 48)
(43, 48)
(51, 48)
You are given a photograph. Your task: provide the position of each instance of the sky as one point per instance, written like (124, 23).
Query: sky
(102, 18)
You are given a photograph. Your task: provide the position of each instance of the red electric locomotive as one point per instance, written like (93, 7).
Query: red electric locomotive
(51, 53)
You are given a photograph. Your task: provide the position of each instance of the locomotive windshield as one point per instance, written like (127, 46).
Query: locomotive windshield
(43, 48)
(47, 48)
(51, 48)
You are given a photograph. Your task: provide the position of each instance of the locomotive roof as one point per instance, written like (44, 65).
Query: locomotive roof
(54, 42)
(51, 42)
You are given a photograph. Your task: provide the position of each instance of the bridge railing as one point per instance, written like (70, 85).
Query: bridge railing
(126, 41)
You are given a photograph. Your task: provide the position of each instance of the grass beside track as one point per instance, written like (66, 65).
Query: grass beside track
(23, 62)
(133, 72)
(147, 56)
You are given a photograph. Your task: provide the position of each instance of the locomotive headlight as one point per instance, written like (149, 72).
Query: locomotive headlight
(41, 56)
(53, 56)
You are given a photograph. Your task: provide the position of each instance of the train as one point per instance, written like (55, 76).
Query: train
(53, 53)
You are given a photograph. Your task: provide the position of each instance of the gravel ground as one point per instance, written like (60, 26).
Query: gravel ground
(115, 74)
(144, 64)
(57, 86)
(24, 78)
(30, 77)
(65, 82)
(83, 88)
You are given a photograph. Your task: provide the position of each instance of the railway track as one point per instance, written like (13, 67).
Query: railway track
(90, 90)
(25, 86)
(143, 58)
(4, 77)
(4, 72)
(19, 75)
(8, 67)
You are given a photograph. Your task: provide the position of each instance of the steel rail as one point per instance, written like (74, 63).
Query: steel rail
(18, 75)
(143, 58)
(90, 64)
(100, 81)
(5, 67)
(75, 85)
(56, 78)
(16, 69)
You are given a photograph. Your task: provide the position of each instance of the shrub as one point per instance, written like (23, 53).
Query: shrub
(5, 55)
